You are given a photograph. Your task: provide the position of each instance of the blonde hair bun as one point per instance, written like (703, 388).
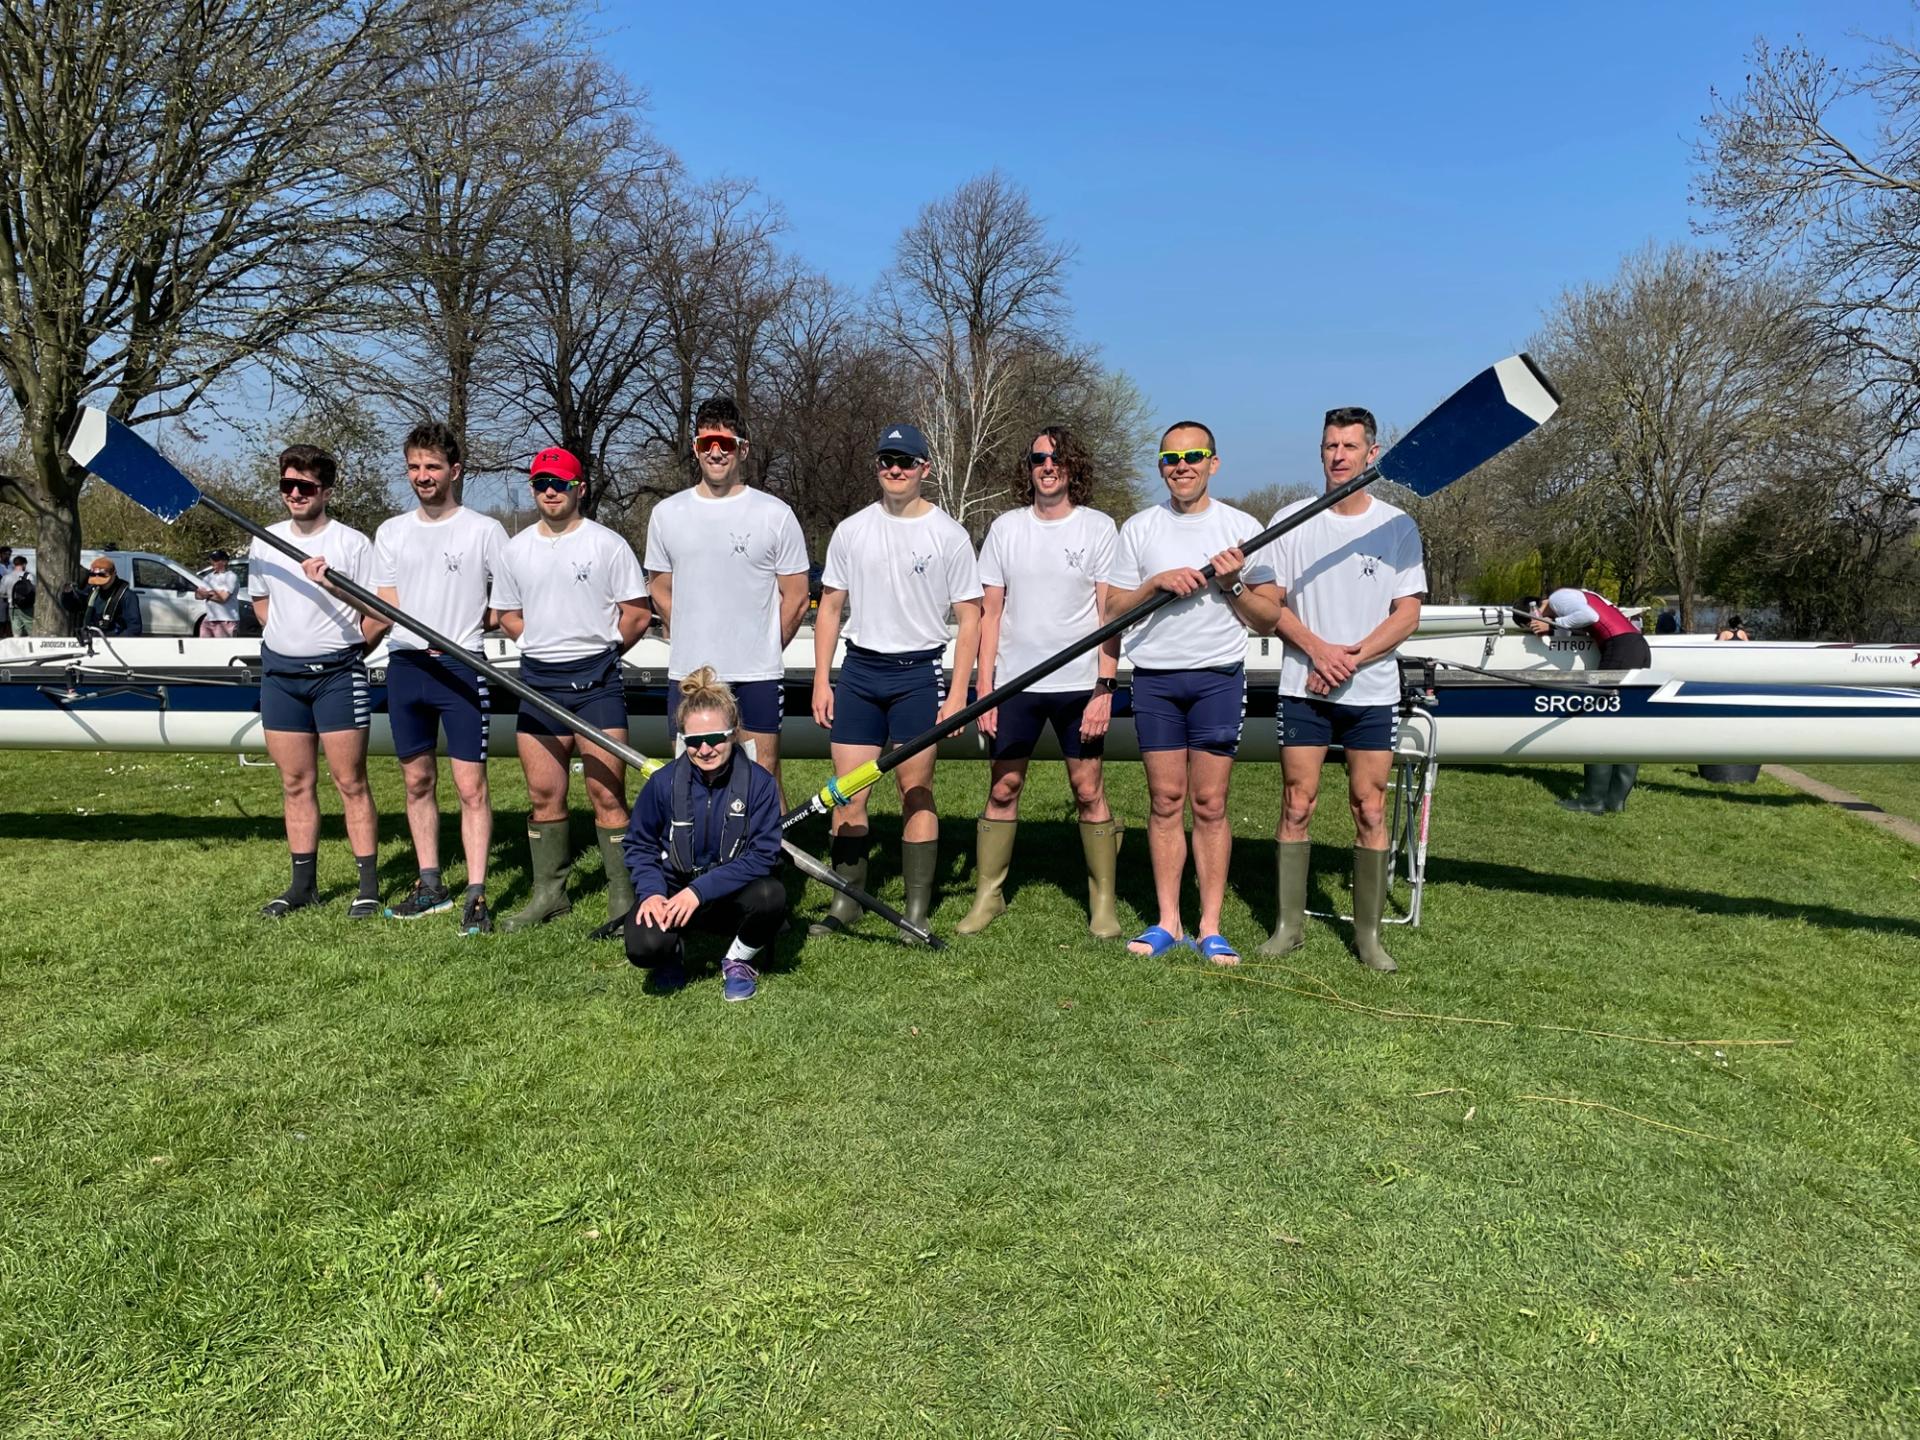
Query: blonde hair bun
(702, 689)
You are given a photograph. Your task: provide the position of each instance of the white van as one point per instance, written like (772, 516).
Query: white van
(163, 587)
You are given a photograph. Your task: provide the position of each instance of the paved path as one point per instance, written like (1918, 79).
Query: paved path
(1853, 804)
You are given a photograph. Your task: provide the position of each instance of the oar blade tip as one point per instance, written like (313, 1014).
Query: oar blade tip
(1502, 404)
(104, 447)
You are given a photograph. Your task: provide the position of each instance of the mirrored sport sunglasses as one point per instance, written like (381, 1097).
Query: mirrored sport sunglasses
(711, 741)
(724, 444)
(891, 461)
(1190, 457)
(541, 484)
(299, 487)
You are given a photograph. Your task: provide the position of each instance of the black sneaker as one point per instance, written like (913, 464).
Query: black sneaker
(476, 919)
(282, 906)
(425, 900)
(612, 930)
(363, 907)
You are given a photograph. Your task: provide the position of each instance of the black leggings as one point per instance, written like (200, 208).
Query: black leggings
(753, 913)
(1625, 652)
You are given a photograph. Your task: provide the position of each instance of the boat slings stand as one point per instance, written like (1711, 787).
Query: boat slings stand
(1410, 798)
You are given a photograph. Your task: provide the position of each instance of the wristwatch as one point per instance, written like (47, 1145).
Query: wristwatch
(1236, 588)
(1106, 684)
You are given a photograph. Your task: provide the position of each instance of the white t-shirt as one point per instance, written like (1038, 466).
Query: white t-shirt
(901, 577)
(1341, 575)
(303, 619)
(222, 579)
(1051, 570)
(1198, 631)
(568, 588)
(725, 557)
(440, 569)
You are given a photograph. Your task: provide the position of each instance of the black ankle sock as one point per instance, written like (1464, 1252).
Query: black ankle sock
(431, 878)
(306, 870)
(477, 892)
(369, 876)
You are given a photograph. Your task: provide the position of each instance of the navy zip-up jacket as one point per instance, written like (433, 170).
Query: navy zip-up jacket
(653, 816)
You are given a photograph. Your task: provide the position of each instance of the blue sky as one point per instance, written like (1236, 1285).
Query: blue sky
(1275, 212)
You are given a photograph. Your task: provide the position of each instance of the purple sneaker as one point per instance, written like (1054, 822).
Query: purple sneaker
(741, 979)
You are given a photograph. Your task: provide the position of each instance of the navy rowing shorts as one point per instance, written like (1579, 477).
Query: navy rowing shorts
(1190, 709)
(591, 687)
(1025, 716)
(427, 689)
(1309, 720)
(314, 694)
(763, 705)
(885, 698)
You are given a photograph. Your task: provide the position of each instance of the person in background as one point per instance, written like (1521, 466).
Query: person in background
(703, 847)
(21, 593)
(1620, 646)
(222, 594)
(6, 590)
(108, 604)
(1735, 628)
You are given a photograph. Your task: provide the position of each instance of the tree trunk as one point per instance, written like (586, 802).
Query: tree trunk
(50, 493)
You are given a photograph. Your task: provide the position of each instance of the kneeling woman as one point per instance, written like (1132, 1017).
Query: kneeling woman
(703, 847)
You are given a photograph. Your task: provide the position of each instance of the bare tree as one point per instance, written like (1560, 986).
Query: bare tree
(183, 180)
(976, 292)
(1820, 166)
(1686, 387)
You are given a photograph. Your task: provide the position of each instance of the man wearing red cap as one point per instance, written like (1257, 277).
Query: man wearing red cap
(571, 593)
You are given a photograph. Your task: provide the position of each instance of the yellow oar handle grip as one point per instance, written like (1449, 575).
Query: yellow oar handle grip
(842, 788)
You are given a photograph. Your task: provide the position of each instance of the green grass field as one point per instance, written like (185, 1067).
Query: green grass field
(321, 1180)
(1894, 788)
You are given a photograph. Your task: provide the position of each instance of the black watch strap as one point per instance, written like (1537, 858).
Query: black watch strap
(1106, 683)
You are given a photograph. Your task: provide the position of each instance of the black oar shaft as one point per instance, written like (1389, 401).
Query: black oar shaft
(843, 788)
(550, 708)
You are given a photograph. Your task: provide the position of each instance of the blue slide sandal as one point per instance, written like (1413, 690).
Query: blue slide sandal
(1216, 949)
(1158, 939)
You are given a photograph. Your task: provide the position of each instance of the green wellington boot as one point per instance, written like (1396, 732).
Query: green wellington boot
(848, 856)
(1593, 798)
(620, 901)
(993, 857)
(1369, 904)
(1620, 787)
(919, 860)
(1290, 923)
(550, 850)
(1100, 843)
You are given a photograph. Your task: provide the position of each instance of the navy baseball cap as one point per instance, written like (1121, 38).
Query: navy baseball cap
(903, 440)
(216, 555)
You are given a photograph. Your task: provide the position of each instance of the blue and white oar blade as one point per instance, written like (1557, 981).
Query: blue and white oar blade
(110, 450)
(1502, 404)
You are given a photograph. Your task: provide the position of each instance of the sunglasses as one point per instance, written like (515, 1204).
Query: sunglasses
(1037, 458)
(708, 742)
(101, 574)
(897, 462)
(1190, 457)
(541, 484)
(707, 444)
(299, 487)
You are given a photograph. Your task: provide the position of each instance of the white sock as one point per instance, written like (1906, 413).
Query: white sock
(740, 950)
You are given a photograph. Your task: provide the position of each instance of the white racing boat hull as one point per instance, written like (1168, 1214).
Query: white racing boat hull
(204, 695)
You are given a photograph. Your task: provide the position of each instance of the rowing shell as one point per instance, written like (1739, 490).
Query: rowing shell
(170, 694)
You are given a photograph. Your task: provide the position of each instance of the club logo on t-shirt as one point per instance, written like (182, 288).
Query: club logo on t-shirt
(452, 560)
(1074, 557)
(582, 571)
(920, 562)
(1369, 564)
(739, 541)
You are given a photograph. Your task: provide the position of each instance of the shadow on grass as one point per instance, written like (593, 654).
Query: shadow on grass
(1487, 875)
(1565, 781)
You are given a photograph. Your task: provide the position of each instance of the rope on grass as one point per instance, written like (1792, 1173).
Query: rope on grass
(1325, 992)
(1616, 1110)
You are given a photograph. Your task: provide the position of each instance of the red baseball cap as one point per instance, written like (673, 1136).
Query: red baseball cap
(556, 462)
